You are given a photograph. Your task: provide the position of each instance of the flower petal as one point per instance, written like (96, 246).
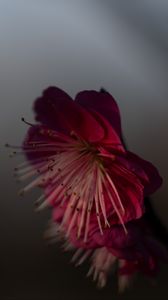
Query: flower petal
(58, 111)
(146, 172)
(111, 138)
(130, 191)
(104, 104)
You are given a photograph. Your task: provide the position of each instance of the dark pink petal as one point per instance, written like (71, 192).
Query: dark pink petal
(122, 245)
(104, 104)
(129, 268)
(149, 268)
(130, 191)
(58, 111)
(135, 252)
(93, 241)
(115, 237)
(146, 172)
(111, 138)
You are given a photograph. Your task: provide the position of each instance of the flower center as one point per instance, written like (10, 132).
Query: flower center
(73, 176)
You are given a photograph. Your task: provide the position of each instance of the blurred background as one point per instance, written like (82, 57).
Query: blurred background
(76, 45)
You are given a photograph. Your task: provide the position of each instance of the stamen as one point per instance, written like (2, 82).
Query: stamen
(115, 191)
(76, 255)
(117, 211)
(97, 212)
(101, 197)
(23, 120)
(84, 257)
(73, 175)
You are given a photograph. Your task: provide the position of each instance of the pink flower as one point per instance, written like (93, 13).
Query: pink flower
(77, 153)
(93, 184)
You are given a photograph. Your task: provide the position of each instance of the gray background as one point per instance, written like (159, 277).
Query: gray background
(76, 45)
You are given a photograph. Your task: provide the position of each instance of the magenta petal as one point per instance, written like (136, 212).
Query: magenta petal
(130, 190)
(58, 111)
(146, 171)
(102, 103)
(94, 240)
(111, 138)
(129, 268)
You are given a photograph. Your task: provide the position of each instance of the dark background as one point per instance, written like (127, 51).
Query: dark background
(76, 45)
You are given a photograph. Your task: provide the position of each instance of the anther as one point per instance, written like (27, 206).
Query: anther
(23, 120)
